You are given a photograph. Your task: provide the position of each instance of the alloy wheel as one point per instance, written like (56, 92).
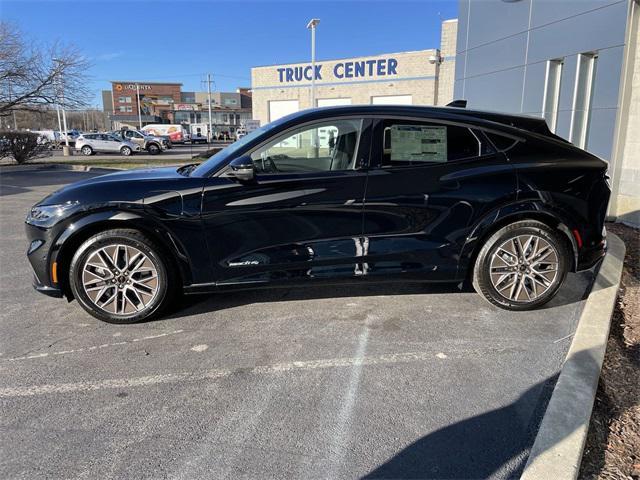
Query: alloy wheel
(524, 267)
(120, 279)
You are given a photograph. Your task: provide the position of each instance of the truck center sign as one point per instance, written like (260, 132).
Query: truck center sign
(349, 69)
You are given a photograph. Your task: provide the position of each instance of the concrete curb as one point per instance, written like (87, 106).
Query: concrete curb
(49, 166)
(559, 444)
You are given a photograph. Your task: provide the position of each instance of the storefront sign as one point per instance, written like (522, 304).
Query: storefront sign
(132, 86)
(352, 69)
(186, 106)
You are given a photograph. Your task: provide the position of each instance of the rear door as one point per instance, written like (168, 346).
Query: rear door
(429, 182)
(302, 217)
(111, 143)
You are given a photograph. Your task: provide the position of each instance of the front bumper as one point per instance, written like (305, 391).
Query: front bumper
(46, 290)
(39, 255)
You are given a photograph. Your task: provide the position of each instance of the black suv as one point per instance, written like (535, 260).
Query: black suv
(359, 193)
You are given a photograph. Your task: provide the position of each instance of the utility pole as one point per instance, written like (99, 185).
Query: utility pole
(313, 23)
(139, 108)
(210, 132)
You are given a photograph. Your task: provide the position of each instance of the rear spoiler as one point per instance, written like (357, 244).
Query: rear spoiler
(458, 104)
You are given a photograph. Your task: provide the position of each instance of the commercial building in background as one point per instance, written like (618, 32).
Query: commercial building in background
(574, 63)
(423, 77)
(167, 103)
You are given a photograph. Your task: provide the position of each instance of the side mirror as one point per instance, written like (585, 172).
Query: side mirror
(242, 168)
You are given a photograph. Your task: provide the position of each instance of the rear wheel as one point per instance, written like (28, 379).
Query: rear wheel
(119, 276)
(153, 149)
(521, 266)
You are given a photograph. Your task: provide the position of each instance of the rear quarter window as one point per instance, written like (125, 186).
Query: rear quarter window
(411, 143)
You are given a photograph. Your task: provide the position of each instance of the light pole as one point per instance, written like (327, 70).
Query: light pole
(66, 151)
(210, 131)
(313, 23)
(139, 110)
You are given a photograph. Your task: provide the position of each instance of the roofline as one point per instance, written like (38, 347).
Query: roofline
(346, 58)
(145, 82)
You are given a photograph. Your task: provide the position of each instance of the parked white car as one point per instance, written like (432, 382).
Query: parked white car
(90, 143)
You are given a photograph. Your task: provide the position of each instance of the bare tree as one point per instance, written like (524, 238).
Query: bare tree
(33, 76)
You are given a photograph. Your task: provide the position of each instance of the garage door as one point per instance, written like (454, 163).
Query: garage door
(392, 100)
(280, 108)
(330, 102)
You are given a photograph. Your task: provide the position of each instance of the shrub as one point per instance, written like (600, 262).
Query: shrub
(22, 146)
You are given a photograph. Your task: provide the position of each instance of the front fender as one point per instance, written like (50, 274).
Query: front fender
(74, 233)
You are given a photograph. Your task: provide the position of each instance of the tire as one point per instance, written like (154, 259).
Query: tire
(522, 282)
(153, 149)
(121, 276)
(86, 150)
(126, 151)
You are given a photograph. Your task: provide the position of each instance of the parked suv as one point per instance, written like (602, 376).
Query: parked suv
(89, 143)
(339, 194)
(150, 143)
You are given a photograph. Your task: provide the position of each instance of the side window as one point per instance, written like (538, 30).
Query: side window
(501, 142)
(330, 145)
(407, 142)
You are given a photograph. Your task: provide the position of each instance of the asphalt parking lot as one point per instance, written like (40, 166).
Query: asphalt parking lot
(378, 382)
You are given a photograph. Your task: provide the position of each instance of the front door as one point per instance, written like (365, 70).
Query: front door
(302, 217)
(429, 182)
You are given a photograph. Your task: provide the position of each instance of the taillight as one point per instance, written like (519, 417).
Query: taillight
(577, 236)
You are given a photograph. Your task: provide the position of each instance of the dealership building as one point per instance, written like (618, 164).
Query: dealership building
(577, 64)
(422, 77)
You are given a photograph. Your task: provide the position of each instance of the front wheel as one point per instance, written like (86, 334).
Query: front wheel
(521, 266)
(119, 276)
(126, 151)
(86, 150)
(153, 149)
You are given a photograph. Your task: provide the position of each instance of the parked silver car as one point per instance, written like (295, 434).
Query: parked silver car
(89, 143)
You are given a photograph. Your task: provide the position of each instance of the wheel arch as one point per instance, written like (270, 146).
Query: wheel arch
(71, 239)
(507, 215)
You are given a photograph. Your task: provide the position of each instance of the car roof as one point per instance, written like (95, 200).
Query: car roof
(523, 122)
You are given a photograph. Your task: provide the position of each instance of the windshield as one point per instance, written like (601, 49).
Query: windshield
(221, 158)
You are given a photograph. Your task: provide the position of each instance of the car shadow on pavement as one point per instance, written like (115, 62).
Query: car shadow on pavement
(495, 443)
(576, 288)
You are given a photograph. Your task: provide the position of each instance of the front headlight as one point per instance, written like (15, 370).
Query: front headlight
(47, 215)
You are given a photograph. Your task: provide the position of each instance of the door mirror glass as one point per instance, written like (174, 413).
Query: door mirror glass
(242, 168)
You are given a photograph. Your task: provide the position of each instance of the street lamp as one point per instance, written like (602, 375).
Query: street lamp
(313, 23)
(66, 151)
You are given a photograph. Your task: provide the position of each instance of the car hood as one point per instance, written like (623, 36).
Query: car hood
(126, 185)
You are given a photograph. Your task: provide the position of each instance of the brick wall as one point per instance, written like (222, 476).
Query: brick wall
(414, 75)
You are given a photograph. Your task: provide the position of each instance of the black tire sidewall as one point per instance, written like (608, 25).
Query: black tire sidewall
(153, 149)
(481, 276)
(134, 240)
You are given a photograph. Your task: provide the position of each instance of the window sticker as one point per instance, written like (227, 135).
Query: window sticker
(418, 143)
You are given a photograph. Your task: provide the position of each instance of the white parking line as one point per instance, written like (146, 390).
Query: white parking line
(214, 374)
(89, 349)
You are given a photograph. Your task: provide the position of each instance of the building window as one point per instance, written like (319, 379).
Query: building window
(124, 100)
(582, 99)
(552, 92)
